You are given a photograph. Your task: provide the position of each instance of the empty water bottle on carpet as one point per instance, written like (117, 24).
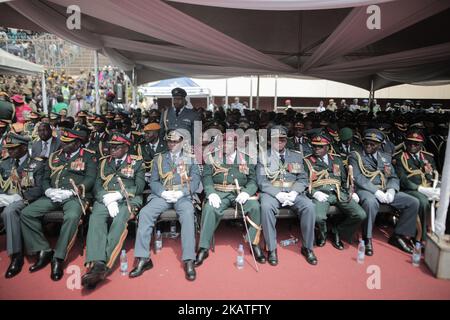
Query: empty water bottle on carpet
(123, 263)
(158, 241)
(240, 257)
(288, 242)
(173, 229)
(417, 253)
(361, 251)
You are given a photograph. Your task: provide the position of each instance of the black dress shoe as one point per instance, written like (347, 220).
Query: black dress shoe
(397, 241)
(273, 257)
(142, 265)
(369, 247)
(95, 275)
(201, 256)
(57, 269)
(189, 270)
(320, 239)
(259, 255)
(45, 257)
(337, 243)
(309, 255)
(15, 266)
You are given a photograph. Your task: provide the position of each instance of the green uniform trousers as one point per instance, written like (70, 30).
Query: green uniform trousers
(353, 214)
(101, 244)
(424, 211)
(31, 224)
(211, 218)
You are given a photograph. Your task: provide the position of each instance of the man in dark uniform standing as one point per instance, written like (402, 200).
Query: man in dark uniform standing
(179, 116)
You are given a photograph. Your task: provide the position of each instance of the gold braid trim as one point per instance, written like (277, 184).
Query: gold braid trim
(416, 172)
(106, 179)
(272, 176)
(323, 179)
(218, 169)
(369, 174)
(55, 170)
(168, 176)
(258, 230)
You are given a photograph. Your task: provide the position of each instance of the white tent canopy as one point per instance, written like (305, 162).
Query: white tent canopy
(326, 39)
(11, 64)
(163, 89)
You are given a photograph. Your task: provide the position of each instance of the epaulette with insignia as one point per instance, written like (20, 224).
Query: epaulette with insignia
(105, 157)
(38, 159)
(428, 153)
(89, 150)
(136, 133)
(397, 153)
(136, 157)
(308, 155)
(296, 151)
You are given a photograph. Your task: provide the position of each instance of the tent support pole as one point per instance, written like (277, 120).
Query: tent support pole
(276, 94)
(251, 93)
(97, 93)
(44, 93)
(371, 95)
(133, 76)
(441, 214)
(226, 93)
(257, 94)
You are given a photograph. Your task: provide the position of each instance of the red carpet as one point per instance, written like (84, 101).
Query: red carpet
(337, 275)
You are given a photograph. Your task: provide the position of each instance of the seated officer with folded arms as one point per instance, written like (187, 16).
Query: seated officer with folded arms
(283, 181)
(376, 182)
(219, 173)
(20, 184)
(173, 181)
(103, 246)
(417, 169)
(328, 186)
(70, 162)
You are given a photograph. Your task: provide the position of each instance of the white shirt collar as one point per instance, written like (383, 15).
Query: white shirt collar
(22, 160)
(74, 154)
(122, 159)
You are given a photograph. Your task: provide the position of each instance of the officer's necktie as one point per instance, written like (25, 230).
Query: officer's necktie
(177, 112)
(118, 164)
(373, 158)
(44, 149)
(174, 159)
(282, 158)
(17, 163)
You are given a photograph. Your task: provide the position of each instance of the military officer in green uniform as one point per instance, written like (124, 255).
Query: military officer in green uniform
(329, 185)
(376, 182)
(69, 164)
(347, 144)
(100, 135)
(220, 171)
(118, 194)
(417, 170)
(30, 128)
(20, 184)
(173, 181)
(152, 145)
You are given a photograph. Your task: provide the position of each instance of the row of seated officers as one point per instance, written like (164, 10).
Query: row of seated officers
(74, 178)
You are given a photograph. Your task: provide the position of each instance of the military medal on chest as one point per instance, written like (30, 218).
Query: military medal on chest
(128, 171)
(78, 165)
(336, 169)
(387, 169)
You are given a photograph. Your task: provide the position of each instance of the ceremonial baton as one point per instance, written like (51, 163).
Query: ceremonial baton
(126, 196)
(433, 203)
(75, 190)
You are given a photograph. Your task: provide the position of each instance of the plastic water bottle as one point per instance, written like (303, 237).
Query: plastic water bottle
(288, 242)
(123, 263)
(417, 253)
(158, 241)
(173, 229)
(361, 251)
(240, 257)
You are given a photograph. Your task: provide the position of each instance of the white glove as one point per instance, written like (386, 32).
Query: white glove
(6, 200)
(214, 200)
(177, 195)
(113, 209)
(287, 203)
(242, 197)
(282, 196)
(355, 197)
(111, 197)
(320, 196)
(381, 196)
(62, 195)
(50, 191)
(428, 192)
(167, 195)
(437, 194)
(390, 195)
(291, 196)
